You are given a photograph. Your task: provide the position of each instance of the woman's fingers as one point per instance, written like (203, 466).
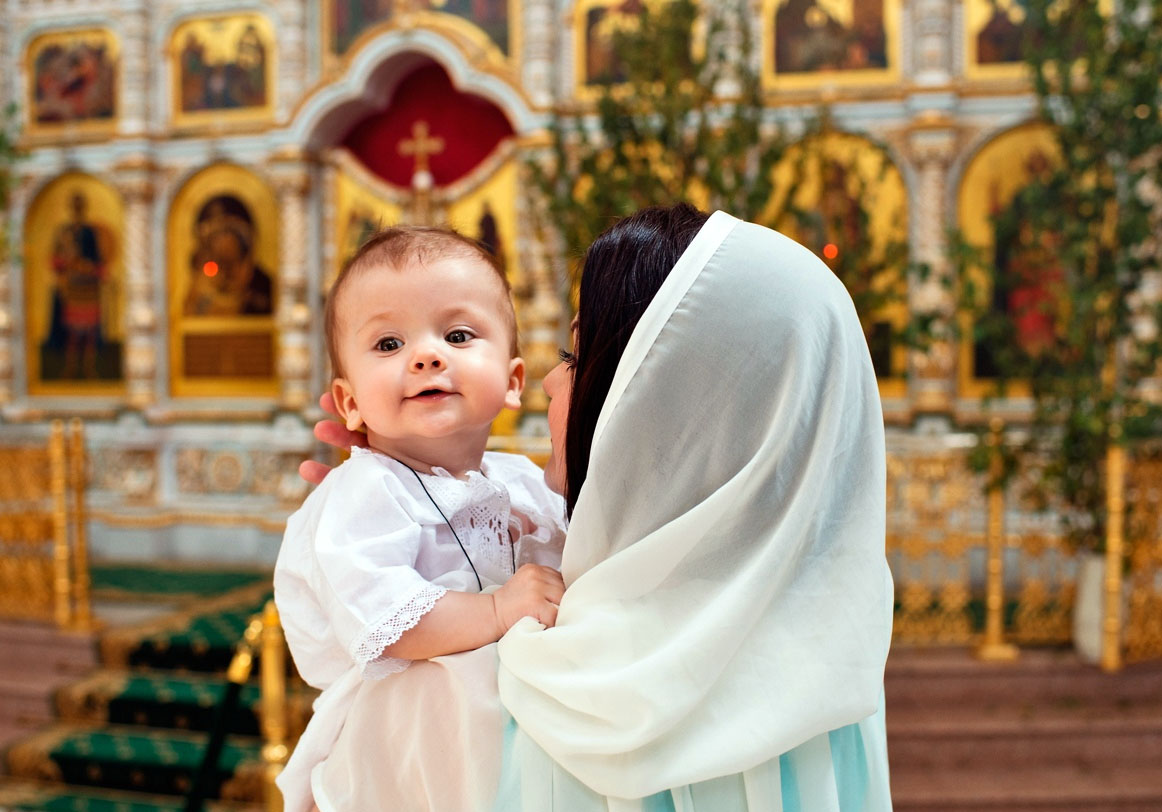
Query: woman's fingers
(338, 435)
(327, 404)
(313, 472)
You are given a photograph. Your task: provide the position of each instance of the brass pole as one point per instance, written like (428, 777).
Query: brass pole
(1111, 649)
(274, 709)
(62, 610)
(81, 582)
(993, 647)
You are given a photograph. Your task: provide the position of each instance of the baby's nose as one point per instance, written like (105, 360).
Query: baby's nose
(432, 362)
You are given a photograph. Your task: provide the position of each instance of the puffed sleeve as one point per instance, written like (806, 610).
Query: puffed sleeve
(366, 545)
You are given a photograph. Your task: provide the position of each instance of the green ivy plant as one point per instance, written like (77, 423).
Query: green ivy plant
(1070, 314)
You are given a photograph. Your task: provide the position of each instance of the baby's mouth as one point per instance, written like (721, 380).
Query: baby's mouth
(429, 394)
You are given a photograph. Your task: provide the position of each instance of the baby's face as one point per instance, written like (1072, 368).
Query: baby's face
(426, 351)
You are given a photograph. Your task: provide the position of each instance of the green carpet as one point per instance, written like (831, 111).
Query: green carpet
(132, 735)
(132, 580)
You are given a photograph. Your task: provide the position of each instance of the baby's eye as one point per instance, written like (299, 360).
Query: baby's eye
(457, 337)
(388, 344)
(569, 358)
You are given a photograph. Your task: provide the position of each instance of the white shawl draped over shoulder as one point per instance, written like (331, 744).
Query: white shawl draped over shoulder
(728, 596)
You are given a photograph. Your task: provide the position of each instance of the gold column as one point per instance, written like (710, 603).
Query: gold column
(83, 613)
(993, 647)
(1111, 653)
(274, 699)
(60, 525)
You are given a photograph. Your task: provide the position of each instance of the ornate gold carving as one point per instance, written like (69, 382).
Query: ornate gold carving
(933, 505)
(41, 530)
(1143, 639)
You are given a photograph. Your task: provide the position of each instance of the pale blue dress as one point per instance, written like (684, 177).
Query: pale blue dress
(845, 770)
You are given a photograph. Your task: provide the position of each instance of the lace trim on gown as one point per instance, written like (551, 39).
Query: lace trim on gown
(480, 511)
(403, 615)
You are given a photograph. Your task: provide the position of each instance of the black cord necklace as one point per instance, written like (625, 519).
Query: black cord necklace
(455, 535)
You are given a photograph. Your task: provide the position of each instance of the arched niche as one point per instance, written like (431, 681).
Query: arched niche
(842, 196)
(222, 260)
(74, 288)
(999, 170)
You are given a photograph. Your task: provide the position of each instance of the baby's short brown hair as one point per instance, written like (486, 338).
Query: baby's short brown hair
(397, 246)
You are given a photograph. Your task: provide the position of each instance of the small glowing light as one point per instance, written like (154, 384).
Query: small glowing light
(1142, 111)
(210, 269)
(831, 250)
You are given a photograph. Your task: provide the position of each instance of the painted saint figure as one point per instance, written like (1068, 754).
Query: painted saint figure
(809, 37)
(80, 261)
(225, 278)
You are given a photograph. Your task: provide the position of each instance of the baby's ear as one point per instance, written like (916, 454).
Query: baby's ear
(345, 402)
(516, 383)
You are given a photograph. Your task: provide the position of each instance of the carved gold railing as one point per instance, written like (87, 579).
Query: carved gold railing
(1143, 636)
(954, 559)
(44, 571)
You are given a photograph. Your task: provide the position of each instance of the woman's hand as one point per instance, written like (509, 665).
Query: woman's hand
(534, 591)
(333, 433)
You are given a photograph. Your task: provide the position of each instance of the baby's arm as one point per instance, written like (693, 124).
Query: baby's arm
(461, 621)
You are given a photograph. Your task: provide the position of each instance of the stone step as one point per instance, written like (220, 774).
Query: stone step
(936, 679)
(43, 649)
(1049, 788)
(1083, 737)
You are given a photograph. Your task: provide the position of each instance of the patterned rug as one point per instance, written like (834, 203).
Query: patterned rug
(131, 735)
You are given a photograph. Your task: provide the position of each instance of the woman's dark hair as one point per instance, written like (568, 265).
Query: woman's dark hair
(623, 269)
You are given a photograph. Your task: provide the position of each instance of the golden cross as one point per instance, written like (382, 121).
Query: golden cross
(421, 145)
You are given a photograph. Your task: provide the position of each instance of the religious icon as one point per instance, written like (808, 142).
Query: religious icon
(840, 196)
(73, 79)
(829, 35)
(222, 65)
(602, 23)
(1020, 271)
(225, 278)
(350, 18)
(73, 288)
(1027, 272)
(491, 16)
(80, 262)
(222, 248)
(999, 39)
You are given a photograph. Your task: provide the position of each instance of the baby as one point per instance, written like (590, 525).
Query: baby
(421, 544)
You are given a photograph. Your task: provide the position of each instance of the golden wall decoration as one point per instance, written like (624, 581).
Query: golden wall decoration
(363, 205)
(490, 27)
(72, 83)
(222, 259)
(830, 43)
(1143, 625)
(222, 72)
(993, 32)
(74, 291)
(1000, 169)
(935, 520)
(837, 194)
(44, 570)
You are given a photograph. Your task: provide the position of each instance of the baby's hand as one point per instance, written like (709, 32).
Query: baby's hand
(534, 591)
